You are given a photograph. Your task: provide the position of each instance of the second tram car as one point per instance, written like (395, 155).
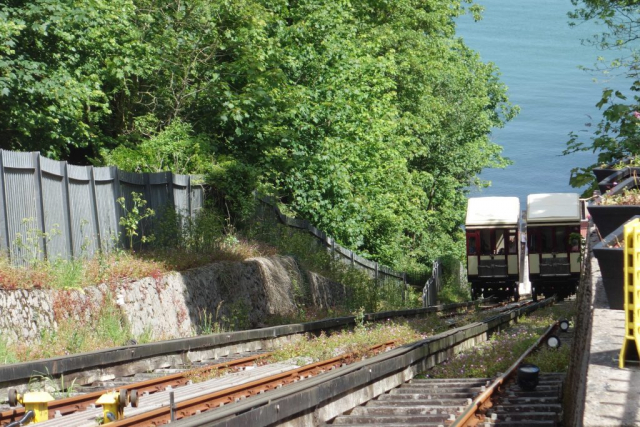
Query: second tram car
(493, 254)
(553, 238)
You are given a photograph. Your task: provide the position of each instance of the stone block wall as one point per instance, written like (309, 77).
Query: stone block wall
(178, 304)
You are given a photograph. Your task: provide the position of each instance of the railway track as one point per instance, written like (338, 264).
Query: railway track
(459, 402)
(302, 403)
(153, 393)
(153, 397)
(112, 365)
(157, 384)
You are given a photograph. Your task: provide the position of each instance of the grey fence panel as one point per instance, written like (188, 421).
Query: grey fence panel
(49, 208)
(56, 212)
(197, 196)
(181, 194)
(22, 203)
(84, 220)
(159, 195)
(108, 209)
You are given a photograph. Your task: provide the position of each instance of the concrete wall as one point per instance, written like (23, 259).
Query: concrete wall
(575, 387)
(176, 305)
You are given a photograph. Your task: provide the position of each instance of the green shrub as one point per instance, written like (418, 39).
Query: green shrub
(362, 290)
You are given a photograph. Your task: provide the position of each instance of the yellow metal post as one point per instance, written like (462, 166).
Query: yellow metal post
(38, 402)
(113, 404)
(631, 344)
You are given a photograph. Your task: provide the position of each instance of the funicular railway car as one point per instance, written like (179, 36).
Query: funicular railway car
(553, 238)
(492, 231)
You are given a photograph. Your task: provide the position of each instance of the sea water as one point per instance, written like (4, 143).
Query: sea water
(539, 56)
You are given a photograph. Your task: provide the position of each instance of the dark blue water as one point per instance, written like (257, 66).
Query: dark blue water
(538, 55)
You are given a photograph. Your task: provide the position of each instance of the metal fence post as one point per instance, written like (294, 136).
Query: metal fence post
(172, 199)
(377, 283)
(92, 183)
(117, 193)
(40, 203)
(5, 230)
(189, 196)
(67, 202)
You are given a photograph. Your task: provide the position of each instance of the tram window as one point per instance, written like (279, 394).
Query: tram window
(513, 244)
(471, 248)
(485, 242)
(499, 242)
(532, 240)
(561, 239)
(547, 239)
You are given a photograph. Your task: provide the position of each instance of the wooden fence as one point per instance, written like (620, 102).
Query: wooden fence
(50, 209)
(55, 210)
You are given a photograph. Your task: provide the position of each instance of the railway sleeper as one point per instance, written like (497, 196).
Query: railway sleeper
(542, 407)
(418, 402)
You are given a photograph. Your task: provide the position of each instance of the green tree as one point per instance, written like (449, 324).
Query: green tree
(60, 64)
(368, 118)
(616, 136)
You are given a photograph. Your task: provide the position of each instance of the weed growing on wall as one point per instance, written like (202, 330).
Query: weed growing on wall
(7, 354)
(82, 325)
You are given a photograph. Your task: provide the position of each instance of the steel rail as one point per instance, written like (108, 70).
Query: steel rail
(209, 401)
(81, 402)
(17, 373)
(464, 420)
(313, 394)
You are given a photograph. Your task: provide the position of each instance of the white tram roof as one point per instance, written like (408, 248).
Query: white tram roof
(553, 207)
(492, 211)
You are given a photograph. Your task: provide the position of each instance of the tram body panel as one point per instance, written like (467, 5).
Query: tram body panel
(553, 241)
(512, 262)
(492, 229)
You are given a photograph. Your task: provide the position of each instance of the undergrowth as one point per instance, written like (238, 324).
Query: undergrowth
(362, 290)
(180, 244)
(101, 325)
(314, 348)
(504, 347)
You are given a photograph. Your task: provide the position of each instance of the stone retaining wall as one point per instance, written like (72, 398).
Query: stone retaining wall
(178, 304)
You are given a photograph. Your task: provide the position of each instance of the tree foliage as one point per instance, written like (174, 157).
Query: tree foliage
(368, 118)
(617, 135)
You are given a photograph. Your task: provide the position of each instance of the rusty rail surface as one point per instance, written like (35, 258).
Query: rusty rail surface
(78, 403)
(468, 419)
(290, 404)
(20, 373)
(81, 402)
(220, 398)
